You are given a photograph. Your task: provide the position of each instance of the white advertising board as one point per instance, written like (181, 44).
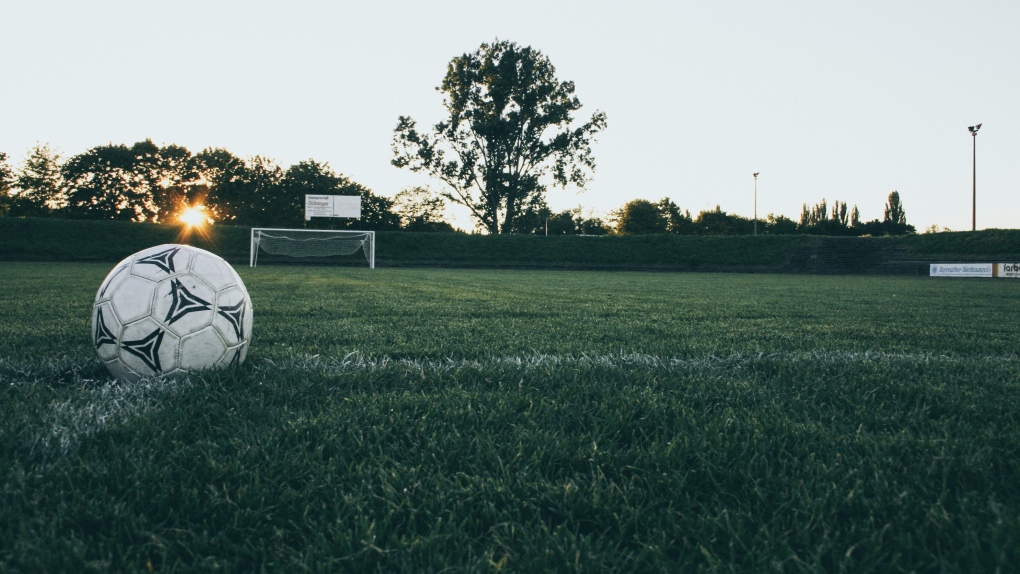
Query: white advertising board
(1010, 270)
(961, 269)
(332, 206)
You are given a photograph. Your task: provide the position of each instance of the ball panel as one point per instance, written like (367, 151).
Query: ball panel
(233, 315)
(158, 263)
(114, 278)
(105, 331)
(147, 348)
(202, 350)
(184, 304)
(214, 270)
(121, 372)
(233, 357)
(132, 298)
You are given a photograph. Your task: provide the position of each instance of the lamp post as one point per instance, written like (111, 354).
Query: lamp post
(756, 202)
(973, 197)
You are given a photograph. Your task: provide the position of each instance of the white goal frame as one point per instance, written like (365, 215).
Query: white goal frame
(257, 237)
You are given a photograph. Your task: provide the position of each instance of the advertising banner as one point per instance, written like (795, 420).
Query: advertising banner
(332, 206)
(1011, 270)
(961, 269)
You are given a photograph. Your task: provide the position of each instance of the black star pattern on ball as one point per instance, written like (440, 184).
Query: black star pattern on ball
(184, 302)
(146, 349)
(103, 334)
(235, 314)
(164, 259)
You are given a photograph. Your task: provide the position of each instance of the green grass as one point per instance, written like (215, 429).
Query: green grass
(486, 420)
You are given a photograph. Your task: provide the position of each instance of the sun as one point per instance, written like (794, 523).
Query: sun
(194, 216)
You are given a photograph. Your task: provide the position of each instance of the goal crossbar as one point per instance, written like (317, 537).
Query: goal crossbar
(311, 243)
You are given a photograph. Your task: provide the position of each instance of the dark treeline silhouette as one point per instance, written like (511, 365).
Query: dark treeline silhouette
(645, 217)
(146, 182)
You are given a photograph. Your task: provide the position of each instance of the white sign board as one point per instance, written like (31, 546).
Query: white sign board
(332, 206)
(1011, 270)
(961, 269)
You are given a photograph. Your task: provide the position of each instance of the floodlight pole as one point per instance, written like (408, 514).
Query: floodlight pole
(973, 196)
(756, 202)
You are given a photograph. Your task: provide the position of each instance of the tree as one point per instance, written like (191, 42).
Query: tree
(894, 220)
(593, 226)
(6, 184)
(508, 134)
(639, 217)
(421, 210)
(894, 212)
(719, 222)
(564, 222)
(102, 183)
(173, 178)
(220, 184)
(779, 225)
(39, 183)
(676, 221)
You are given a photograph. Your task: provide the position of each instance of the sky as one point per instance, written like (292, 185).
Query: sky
(831, 100)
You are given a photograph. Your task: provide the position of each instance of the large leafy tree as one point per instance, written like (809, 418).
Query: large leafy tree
(509, 134)
(421, 210)
(102, 183)
(220, 184)
(639, 217)
(39, 183)
(143, 182)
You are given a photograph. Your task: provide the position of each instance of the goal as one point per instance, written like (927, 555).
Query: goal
(306, 243)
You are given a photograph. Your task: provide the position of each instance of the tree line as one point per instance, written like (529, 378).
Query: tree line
(146, 182)
(509, 136)
(645, 217)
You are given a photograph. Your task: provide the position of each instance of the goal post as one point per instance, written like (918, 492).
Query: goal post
(304, 243)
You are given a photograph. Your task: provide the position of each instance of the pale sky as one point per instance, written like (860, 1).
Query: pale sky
(837, 100)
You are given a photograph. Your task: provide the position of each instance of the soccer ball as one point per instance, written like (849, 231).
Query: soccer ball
(171, 309)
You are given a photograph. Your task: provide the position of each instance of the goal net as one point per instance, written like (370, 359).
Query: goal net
(320, 244)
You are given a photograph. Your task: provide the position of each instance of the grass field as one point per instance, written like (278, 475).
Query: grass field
(522, 421)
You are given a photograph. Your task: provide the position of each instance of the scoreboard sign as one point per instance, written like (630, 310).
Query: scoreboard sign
(332, 206)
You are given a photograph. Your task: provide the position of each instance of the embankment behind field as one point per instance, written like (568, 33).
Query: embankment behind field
(77, 240)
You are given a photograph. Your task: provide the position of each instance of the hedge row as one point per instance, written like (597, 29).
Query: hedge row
(85, 240)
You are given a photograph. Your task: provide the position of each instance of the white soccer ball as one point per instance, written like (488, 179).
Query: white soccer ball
(171, 309)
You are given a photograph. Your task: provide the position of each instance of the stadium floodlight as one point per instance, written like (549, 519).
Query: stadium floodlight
(315, 243)
(973, 192)
(756, 202)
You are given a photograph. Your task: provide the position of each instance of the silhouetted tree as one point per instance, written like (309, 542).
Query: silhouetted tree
(639, 217)
(102, 183)
(6, 184)
(38, 185)
(421, 210)
(894, 220)
(718, 222)
(678, 222)
(779, 225)
(508, 135)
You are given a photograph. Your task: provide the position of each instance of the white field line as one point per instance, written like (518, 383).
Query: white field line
(359, 361)
(104, 403)
(65, 423)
